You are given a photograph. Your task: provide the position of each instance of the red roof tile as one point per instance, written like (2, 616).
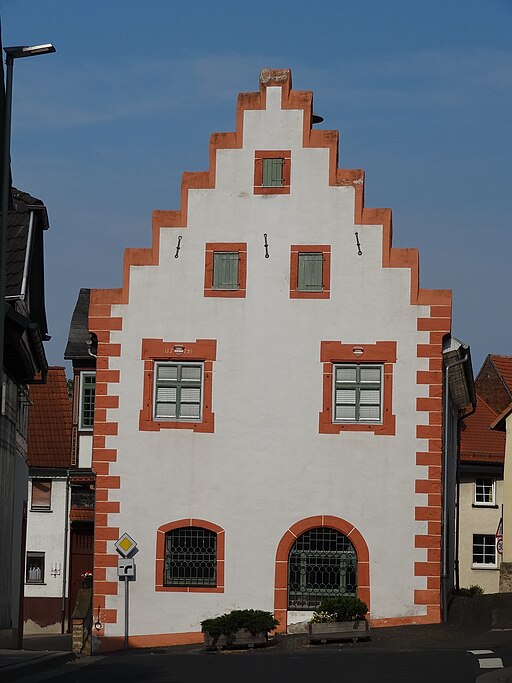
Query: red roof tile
(49, 422)
(478, 442)
(504, 366)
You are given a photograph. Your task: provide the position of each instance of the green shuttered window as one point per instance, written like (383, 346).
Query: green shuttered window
(310, 272)
(357, 393)
(273, 172)
(178, 389)
(225, 270)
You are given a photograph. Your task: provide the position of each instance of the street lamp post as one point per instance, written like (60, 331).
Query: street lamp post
(11, 53)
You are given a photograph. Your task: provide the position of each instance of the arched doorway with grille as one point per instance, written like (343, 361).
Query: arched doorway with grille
(319, 557)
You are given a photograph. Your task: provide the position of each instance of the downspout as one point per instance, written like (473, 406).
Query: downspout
(457, 502)
(444, 560)
(65, 558)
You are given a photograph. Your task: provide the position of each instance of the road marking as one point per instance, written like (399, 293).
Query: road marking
(481, 652)
(491, 663)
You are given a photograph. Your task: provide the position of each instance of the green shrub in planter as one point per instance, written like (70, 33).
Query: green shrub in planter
(254, 620)
(340, 608)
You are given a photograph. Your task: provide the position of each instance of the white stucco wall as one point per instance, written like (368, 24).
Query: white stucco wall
(46, 533)
(266, 466)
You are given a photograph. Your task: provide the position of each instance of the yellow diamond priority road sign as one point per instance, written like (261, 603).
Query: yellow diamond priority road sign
(125, 545)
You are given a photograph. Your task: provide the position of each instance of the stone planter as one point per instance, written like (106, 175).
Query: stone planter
(241, 638)
(339, 630)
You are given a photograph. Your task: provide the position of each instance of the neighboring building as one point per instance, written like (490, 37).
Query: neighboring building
(49, 438)
(269, 421)
(24, 363)
(482, 453)
(499, 368)
(81, 351)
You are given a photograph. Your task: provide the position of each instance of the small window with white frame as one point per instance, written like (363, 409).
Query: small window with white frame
(178, 391)
(87, 396)
(34, 572)
(485, 491)
(357, 393)
(41, 500)
(484, 551)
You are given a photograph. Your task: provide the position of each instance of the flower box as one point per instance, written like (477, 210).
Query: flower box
(240, 638)
(339, 630)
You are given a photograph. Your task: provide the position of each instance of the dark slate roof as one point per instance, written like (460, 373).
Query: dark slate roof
(79, 338)
(49, 422)
(17, 237)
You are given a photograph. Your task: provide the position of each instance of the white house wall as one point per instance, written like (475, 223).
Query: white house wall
(46, 532)
(265, 467)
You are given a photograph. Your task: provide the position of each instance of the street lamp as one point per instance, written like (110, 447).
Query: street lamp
(11, 53)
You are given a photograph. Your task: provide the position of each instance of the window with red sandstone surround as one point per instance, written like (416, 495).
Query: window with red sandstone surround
(310, 271)
(225, 269)
(272, 171)
(357, 387)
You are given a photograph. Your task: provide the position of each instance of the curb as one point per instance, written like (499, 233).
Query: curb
(500, 676)
(21, 669)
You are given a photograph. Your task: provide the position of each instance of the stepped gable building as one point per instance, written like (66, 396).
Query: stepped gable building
(268, 424)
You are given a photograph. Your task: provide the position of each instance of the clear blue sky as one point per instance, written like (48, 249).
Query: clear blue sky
(421, 93)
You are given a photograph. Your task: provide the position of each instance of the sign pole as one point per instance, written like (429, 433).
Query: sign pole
(126, 613)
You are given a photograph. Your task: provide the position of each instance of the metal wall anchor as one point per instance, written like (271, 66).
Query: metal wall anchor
(178, 247)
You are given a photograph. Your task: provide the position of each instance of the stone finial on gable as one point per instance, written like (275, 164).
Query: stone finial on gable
(280, 77)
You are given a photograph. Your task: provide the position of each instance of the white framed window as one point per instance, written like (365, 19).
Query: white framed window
(87, 396)
(357, 393)
(484, 551)
(41, 500)
(34, 572)
(485, 490)
(178, 391)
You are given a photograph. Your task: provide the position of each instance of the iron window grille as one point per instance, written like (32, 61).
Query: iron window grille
(178, 390)
(484, 550)
(357, 393)
(225, 270)
(322, 563)
(35, 568)
(190, 557)
(87, 396)
(484, 491)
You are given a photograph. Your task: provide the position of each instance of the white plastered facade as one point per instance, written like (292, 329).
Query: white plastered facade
(266, 466)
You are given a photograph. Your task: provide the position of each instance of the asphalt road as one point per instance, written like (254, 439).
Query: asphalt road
(257, 666)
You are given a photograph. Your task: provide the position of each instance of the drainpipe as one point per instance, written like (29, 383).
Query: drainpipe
(444, 558)
(65, 558)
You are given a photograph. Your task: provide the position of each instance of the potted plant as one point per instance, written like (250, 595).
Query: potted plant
(86, 580)
(246, 627)
(339, 618)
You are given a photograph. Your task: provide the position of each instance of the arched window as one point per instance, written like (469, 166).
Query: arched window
(190, 557)
(322, 563)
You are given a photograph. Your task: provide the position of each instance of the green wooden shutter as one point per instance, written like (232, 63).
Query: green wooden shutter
(225, 270)
(310, 275)
(272, 172)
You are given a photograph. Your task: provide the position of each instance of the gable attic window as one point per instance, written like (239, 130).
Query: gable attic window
(225, 269)
(310, 271)
(272, 171)
(357, 393)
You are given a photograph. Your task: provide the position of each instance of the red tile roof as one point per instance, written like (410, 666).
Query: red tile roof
(478, 442)
(504, 366)
(49, 422)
